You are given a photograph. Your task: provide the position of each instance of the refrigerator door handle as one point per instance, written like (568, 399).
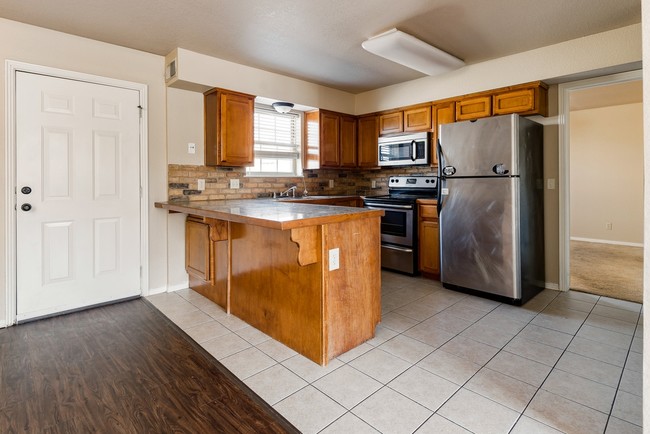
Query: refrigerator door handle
(441, 177)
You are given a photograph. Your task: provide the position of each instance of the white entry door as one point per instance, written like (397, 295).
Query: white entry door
(77, 194)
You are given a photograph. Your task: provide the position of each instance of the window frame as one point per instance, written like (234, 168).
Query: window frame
(294, 156)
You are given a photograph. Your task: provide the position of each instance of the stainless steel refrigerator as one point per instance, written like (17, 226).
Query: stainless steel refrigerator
(491, 207)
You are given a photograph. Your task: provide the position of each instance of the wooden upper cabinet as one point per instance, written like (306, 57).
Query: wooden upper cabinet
(348, 141)
(473, 107)
(367, 141)
(330, 155)
(417, 119)
(391, 123)
(330, 140)
(442, 113)
(228, 124)
(530, 100)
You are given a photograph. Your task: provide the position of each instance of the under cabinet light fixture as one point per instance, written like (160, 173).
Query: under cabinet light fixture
(411, 52)
(282, 107)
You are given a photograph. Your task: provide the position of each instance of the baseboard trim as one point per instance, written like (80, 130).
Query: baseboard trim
(553, 286)
(618, 243)
(179, 286)
(3, 324)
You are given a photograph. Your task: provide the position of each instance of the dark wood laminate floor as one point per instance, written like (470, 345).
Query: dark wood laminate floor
(122, 368)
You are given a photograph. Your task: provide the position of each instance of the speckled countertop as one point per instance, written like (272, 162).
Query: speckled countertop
(271, 213)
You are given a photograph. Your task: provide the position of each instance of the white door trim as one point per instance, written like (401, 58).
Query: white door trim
(11, 67)
(564, 94)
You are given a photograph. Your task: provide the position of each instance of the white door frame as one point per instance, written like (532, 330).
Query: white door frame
(564, 94)
(11, 68)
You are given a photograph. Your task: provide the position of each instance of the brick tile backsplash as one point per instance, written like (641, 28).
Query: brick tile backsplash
(183, 182)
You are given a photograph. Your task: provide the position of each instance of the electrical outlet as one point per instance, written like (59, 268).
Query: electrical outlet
(191, 148)
(331, 183)
(373, 184)
(550, 183)
(234, 183)
(334, 259)
(608, 226)
(201, 184)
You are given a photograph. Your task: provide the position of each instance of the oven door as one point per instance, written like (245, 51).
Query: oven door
(396, 224)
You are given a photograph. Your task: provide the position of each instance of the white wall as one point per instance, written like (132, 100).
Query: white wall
(606, 170)
(40, 46)
(645, 21)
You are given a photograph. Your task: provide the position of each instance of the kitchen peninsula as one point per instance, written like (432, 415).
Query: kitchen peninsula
(307, 275)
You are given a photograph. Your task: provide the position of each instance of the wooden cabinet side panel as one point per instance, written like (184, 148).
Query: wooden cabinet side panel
(271, 292)
(367, 141)
(352, 292)
(237, 134)
(348, 142)
(329, 139)
(211, 127)
(417, 119)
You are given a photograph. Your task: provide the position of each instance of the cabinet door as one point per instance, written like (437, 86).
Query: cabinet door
(417, 119)
(367, 141)
(236, 122)
(473, 108)
(329, 139)
(197, 249)
(348, 142)
(390, 123)
(527, 101)
(444, 113)
(429, 247)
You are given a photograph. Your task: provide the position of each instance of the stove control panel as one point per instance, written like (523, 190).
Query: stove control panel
(413, 182)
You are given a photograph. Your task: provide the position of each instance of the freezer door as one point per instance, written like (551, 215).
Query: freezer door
(477, 148)
(479, 237)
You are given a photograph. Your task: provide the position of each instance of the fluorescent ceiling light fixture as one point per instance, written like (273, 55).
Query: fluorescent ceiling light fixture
(411, 52)
(282, 107)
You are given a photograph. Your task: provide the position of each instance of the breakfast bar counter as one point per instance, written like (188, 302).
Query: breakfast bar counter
(307, 275)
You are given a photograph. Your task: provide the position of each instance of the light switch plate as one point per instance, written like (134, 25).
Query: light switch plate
(334, 259)
(331, 183)
(234, 183)
(191, 148)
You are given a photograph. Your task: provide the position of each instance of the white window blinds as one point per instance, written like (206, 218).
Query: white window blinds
(277, 143)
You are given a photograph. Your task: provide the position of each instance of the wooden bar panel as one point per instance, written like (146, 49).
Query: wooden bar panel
(271, 292)
(353, 292)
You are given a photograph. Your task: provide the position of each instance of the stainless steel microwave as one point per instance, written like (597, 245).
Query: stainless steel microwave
(404, 149)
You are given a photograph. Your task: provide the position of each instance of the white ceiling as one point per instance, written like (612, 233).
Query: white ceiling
(320, 40)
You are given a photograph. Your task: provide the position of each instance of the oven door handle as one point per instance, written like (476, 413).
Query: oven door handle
(391, 206)
(399, 249)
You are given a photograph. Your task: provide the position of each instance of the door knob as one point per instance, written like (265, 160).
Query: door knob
(26, 190)
(25, 207)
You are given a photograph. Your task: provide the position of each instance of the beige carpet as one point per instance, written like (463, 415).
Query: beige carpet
(606, 269)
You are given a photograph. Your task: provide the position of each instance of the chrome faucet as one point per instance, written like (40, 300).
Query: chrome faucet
(291, 190)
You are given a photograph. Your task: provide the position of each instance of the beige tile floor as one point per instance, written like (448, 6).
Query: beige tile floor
(446, 362)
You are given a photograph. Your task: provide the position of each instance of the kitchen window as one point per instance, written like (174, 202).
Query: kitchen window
(277, 143)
